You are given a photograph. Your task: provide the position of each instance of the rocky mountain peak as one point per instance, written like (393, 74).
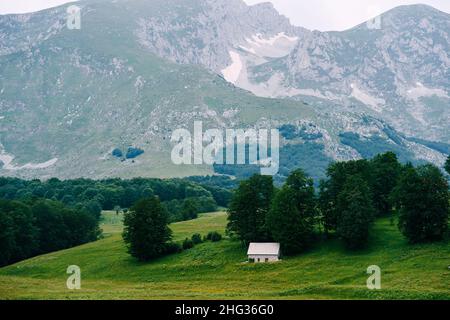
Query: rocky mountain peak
(139, 69)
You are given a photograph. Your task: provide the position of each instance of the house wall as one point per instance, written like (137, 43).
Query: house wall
(262, 258)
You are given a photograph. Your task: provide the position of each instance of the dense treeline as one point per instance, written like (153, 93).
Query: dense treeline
(32, 227)
(94, 196)
(37, 217)
(354, 194)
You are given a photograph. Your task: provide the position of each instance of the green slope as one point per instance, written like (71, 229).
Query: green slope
(73, 96)
(218, 271)
(82, 93)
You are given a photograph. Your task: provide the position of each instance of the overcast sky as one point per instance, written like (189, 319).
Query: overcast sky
(322, 15)
(337, 15)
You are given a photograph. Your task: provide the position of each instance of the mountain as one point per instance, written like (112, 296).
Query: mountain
(73, 103)
(399, 72)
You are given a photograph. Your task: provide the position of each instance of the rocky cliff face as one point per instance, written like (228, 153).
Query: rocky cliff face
(137, 70)
(204, 31)
(398, 70)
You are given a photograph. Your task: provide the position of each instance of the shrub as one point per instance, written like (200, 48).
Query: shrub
(133, 153)
(117, 153)
(188, 244)
(196, 238)
(214, 236)
(172, 247)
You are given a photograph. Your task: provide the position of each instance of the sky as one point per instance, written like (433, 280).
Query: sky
(23, 6)
(338, 15)
(324, 15)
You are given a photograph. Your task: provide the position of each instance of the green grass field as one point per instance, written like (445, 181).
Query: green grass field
(218, 270)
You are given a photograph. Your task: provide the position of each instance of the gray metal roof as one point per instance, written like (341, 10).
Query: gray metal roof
(271, 248)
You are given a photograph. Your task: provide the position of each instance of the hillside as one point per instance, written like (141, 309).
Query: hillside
(69, 98)
(218, 271)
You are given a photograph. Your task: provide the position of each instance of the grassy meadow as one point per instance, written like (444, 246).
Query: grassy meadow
(219, 271)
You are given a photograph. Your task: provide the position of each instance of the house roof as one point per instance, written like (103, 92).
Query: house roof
(271, 248)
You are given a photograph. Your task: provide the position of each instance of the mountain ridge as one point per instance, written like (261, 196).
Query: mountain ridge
(69, 98)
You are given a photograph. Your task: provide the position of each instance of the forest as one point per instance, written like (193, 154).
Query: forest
(37, 217)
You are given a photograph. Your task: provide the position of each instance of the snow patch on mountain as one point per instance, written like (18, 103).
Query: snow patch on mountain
(277, 46)
(7, 160)
(421, 91)
(373, 102)
(232, 72)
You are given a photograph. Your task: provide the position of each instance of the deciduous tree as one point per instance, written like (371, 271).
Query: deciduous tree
(249, 207)
(422, 199)
(146, 230)
(291, 218)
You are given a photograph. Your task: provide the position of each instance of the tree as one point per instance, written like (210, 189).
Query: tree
(7, 241)
(422, 199)
(356, 212)
(326, 205)
(61, 227)
(337, 174)
(53, 233)
(447, 165)
(26, 234)
(189, 210)
(18, 233)
(249, 207)
(146, 230)
(384, 175)
(94, 208)
(291, 218)
(82, 226)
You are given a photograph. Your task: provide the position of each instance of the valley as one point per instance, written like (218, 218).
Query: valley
(219, 270)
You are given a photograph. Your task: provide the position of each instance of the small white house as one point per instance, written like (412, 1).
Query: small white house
(263, 252)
